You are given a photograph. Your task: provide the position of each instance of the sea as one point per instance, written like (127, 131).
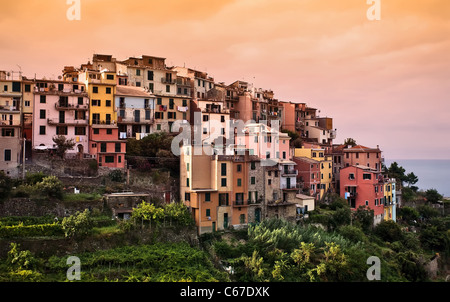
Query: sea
(432, 173)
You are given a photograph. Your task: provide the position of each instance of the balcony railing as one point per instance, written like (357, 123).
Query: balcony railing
(168, 81)
(132, 120)
(55, 121)
(289, 172)
(65, 106)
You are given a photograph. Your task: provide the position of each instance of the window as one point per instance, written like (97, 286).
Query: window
(239, 182)
(206, 118)
(150, 75)
(357, 155)
(7, 132)
(42, 114)
(16, 86)
(205, 131)
(187, 196)
(96, 131)
(108, 103)
(269, 182)
(224, 182)
(239, 168)
(187, 167)
(184, 103)
(252, 165)
(108, 90)
(109, 131)
(42, 130)
(367, 202)
(223, 199)
(138, 72)
(118, 147)
(351, 176)
(110, 77)
(7, 155)
(367, 176)
(147, 114)
(222, 118)
(171, 103)
(207, 196)
(159, 101)
(80, 100)
(284, 154)
(242, 218)
(95, 89)
(187, 182)
(109, 159)
(96, 103)
(43, 99)
(61, 130)
(27, 88)
(223, 169)
(103, 147)
(253, 180)
(80, 131)
(167, 88)
(27, 103)
(208, 212)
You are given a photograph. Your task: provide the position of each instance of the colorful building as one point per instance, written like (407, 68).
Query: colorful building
(363, 186)
(61, 108)
(317, 153)
(10, 123)
(136, 110)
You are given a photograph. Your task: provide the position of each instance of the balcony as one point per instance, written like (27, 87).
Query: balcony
(168, 81)
(67, 122)
(66, 106)
(241, 203)
(135, 121)
(289, 172)
(10, 123)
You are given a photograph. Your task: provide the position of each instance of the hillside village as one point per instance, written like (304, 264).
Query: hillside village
(116, 149)
(102, 104)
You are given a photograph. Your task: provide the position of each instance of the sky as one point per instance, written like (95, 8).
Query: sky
(384, 82)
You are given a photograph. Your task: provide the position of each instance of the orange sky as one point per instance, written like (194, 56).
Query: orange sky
(384, 82)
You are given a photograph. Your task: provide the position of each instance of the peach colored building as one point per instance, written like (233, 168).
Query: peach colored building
(106, 147)
(361, 155)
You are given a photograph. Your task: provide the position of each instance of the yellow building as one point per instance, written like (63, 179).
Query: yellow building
(389, 200)
(101, 88)
(326, 167)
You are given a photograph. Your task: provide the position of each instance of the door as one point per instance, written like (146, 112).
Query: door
(257, 215)
(225, 220)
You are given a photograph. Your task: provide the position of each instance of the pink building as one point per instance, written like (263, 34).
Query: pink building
(363, 186)
(106, 147)
(60, 108)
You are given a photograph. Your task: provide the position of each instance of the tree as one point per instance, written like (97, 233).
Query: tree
(397, 172)
(433, 196)
(350, 142)
(363, 217)
(411, 179)
(63, 145)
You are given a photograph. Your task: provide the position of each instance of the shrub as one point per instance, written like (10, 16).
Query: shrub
(51, 186)
(77, 225)
(352, 233)
(20, 230)
(388, 231)
(116, 175)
